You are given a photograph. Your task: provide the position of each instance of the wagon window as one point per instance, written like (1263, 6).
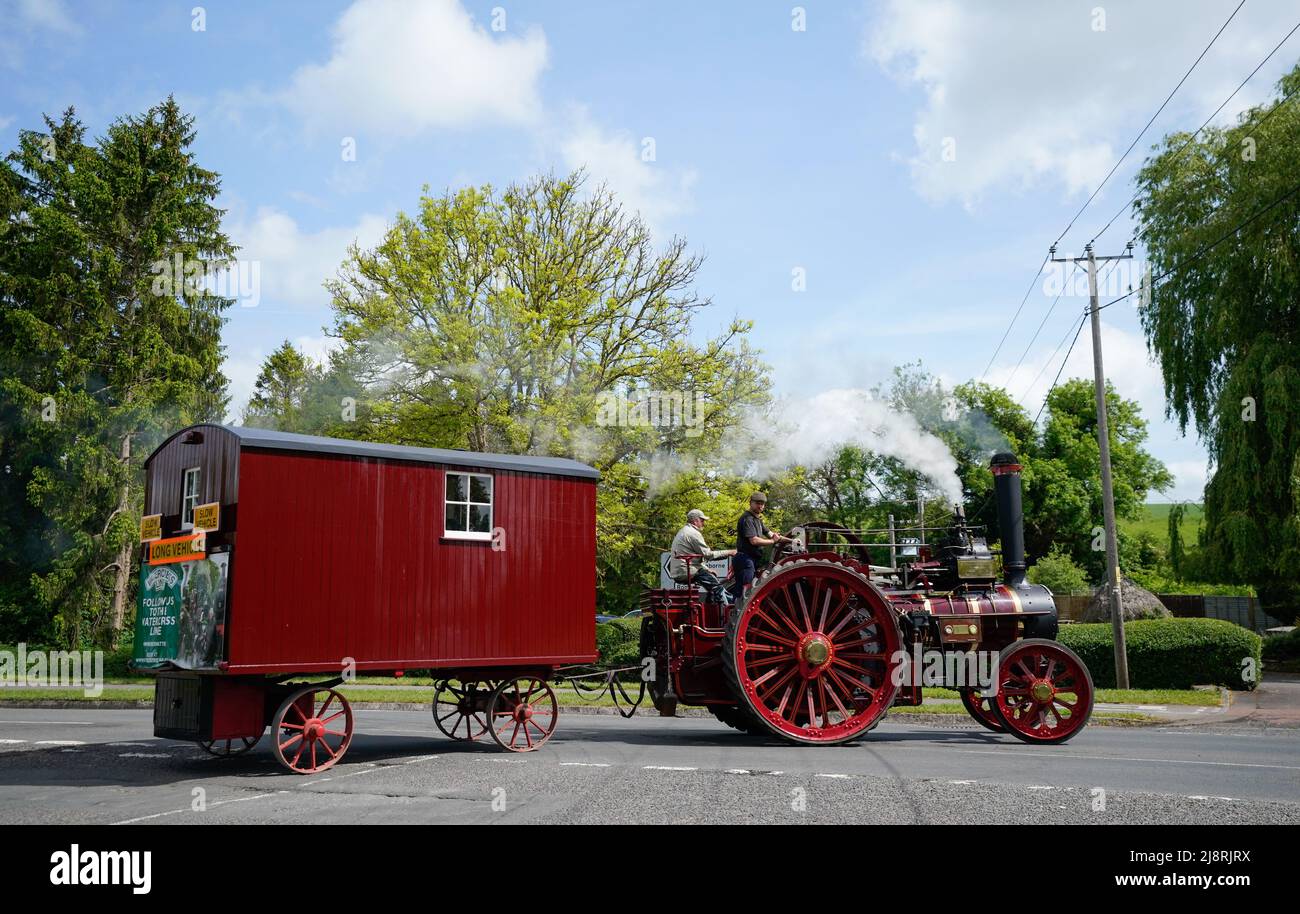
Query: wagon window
(189, 497)
(468, 512)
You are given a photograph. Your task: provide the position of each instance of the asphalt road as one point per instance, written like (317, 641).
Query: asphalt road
(86, 766)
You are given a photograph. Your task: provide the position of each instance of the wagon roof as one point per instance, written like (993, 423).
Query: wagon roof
(268, 439)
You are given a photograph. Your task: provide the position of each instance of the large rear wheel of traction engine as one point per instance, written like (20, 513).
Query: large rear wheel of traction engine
(738, 717)
(1045, 691)
(312, 729)
(811, 652)
(522, 713)
(981, 708)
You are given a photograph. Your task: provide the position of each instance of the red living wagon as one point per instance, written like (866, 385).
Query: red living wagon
(278, 565)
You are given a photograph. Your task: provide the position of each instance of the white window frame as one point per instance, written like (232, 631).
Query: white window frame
(491, 506)
(190, 500)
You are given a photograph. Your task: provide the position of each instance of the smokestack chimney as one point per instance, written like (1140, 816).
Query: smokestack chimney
(1011, 519)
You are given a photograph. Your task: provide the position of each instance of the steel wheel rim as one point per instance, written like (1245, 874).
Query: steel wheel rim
(523, 713)
(813, 654)
(308, 737)
(1024, 703)
(458, 718)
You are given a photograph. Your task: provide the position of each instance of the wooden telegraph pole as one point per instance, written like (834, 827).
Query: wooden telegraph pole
(1103, 446)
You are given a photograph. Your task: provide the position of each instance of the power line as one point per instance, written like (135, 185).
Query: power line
(1033, 282)
(1205, 249)
(1168, 98)
(1093, 196)
(1113, 266)
(1191, 139)
(1062, 368)
(1074, 269)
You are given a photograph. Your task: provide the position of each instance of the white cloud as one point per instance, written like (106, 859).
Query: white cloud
(292, 263)
(615, 157)
(1031, 93)
(1129, 367)
(401, 67)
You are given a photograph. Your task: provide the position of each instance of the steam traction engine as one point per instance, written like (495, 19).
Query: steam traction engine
(822, 644)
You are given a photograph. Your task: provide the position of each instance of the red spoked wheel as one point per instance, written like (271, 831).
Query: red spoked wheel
(225, 748)
(812, 651)
(460, 711)
(312, 729)
(1045, 692)
(522, 713)
(981, 708)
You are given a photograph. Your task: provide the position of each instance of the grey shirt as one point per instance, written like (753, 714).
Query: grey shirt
(690, 541)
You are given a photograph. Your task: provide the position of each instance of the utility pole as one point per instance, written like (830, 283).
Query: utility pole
(1103, 446)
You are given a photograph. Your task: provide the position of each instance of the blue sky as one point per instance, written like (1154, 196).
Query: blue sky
(775, 149)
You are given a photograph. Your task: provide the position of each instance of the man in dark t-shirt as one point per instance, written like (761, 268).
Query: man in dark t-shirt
(751, 536)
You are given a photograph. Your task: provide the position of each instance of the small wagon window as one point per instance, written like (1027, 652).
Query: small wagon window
(468, 508)
(189, 497)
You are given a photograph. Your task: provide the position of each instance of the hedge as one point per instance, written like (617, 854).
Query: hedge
(1169, 653)
(619, 642)
(1283, 647)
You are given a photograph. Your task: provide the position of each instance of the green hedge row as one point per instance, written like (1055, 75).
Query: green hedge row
(1283, 647)
(1170, 653)
(619, 642)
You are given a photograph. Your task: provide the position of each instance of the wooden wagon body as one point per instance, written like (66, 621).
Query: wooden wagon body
(272, 556)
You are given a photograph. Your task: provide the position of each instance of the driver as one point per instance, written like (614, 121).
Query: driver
(751, 535)
(689, 541)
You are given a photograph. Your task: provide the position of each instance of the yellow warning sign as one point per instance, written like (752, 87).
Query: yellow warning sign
(178, 549)
(150, 528)
(207, 517)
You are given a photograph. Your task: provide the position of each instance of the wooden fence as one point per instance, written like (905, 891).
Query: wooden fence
(1244, 611)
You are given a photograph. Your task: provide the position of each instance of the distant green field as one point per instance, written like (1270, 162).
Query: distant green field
(1156, 522)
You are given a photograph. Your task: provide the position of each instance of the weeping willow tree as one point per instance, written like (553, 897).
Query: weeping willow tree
(1220, 215)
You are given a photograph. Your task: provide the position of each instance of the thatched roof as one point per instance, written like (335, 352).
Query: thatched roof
(1138, 603)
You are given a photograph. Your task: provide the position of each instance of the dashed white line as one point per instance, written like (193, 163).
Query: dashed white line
(59, 742)
(585, 765)
(841, 777)
(666, 768)
(213, 805)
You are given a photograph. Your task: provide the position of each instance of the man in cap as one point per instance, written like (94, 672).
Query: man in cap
(751, 536)
(688, 554)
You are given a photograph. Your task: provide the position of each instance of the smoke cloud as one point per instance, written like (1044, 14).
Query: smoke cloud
(808, 431)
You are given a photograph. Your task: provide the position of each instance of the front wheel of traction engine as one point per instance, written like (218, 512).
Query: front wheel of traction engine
(1045, 691)
(811, 652)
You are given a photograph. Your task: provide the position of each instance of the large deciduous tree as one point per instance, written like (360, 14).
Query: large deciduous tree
(535, 320)
(109, 335)
(1220, 216)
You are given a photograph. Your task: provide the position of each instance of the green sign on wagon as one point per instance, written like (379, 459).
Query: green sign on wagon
(180, 613)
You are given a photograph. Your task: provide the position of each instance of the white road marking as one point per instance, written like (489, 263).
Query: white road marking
(667, 768)
(11, 742)
(59, 742)
(842, 777)
(1038, 787)
(962, 783)
(1122, 758)
(213, 805)
(585, 765)
(737, 771)
(56, 723)
(143, 755)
